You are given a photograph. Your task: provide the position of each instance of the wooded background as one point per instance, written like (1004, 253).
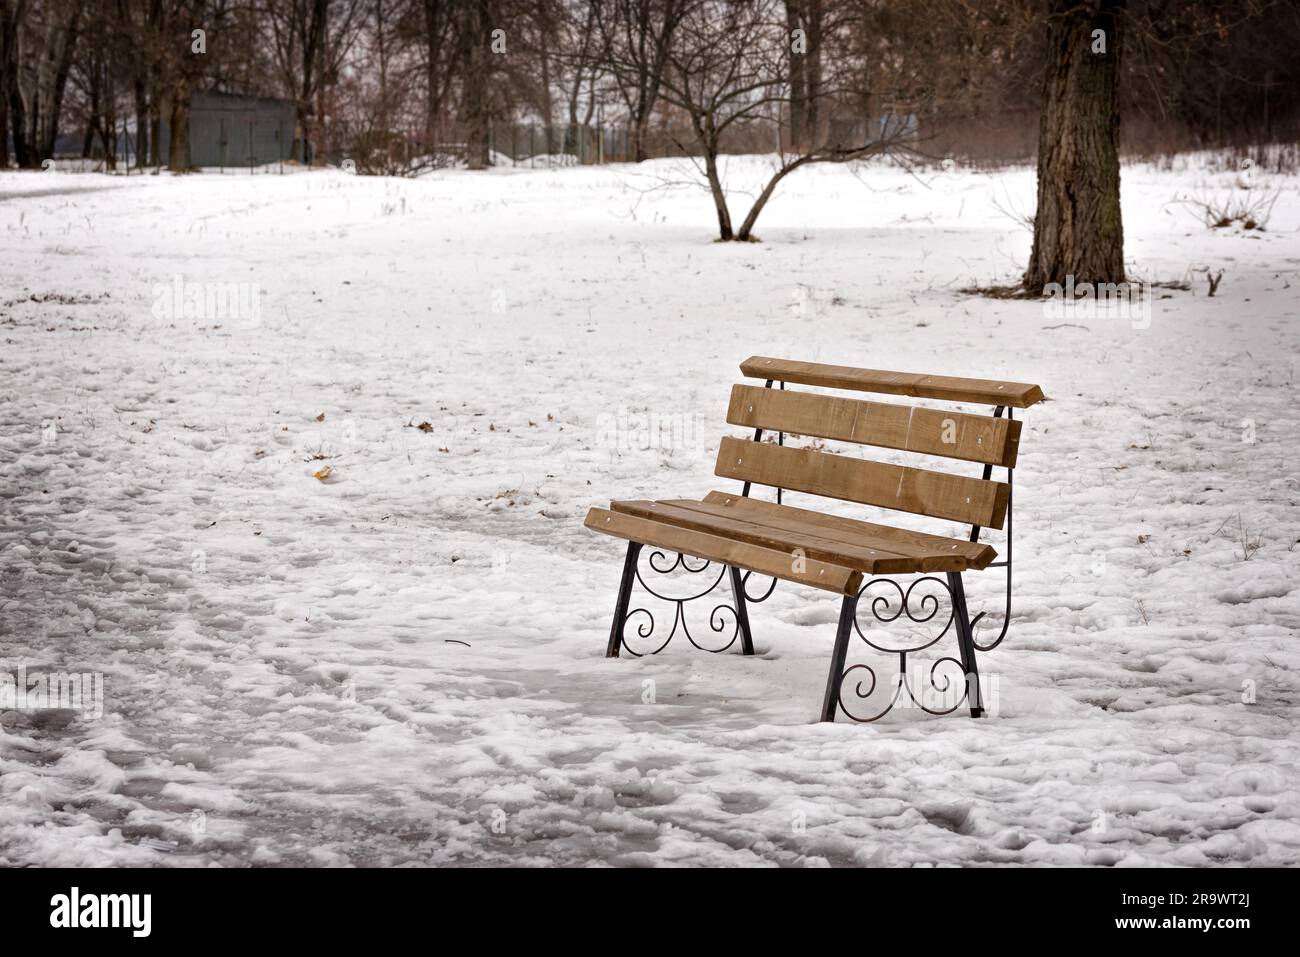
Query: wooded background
(397, 84)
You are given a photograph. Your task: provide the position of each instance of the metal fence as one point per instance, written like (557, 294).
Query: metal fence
(532, 144)
(230, 132)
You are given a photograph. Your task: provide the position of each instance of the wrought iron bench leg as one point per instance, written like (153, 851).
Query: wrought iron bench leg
(720, 623)
(742, 613)
(966, 642)
(831, 702)
(624, 598)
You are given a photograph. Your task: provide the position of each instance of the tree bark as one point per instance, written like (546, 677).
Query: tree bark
(95, 71)
(155, 66)
(639, 152)
(1078, 230)
(433, 37)
(805, 73)
(10, 13)
(178, 152)
(141, 123)
(813, 121)
(155, 127)
(313, 54)
(798, 95)
(708, 139)
(475, 37)
(719, 198)
(108, 122)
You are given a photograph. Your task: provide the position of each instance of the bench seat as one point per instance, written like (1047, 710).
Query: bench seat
(841, 542)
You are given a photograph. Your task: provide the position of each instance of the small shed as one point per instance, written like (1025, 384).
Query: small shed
(227, 129)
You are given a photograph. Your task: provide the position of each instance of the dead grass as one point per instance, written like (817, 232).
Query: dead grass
(1016, 291)
(1241, 535)
(1248, 208)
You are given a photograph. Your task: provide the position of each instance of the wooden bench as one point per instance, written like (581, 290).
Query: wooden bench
(745, 536)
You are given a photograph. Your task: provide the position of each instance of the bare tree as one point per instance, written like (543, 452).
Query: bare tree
(805, 21)
(474, 27)
(132, 22)
(310, 39)
(185, 57)
(378, 124)
(436, 24)
(729, 65)
(92, 82)
(12, 15)
(722, 73)
(42, 42)
(156, 12)
(536, 72)
(635, 38)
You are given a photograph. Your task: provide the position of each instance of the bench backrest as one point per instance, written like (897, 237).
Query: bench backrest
(987, 439)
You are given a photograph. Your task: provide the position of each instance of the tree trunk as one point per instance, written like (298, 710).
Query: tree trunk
(746, 233)
(302, 133)
(37, 79)
(812, 83)
(8, 71)
(95, 70)
(478, 26)
(141, 123)
(798, 95)
(154, 69)
(315, 30)
(434, 31)
(638, 139)
(1078, 229)
(11, 17)
(708, 139)
(50, 98)
(155, 128)
(178, 153)
(547, 104)
(108, 122)
(719, 200)
(18, 117)
(805, 73)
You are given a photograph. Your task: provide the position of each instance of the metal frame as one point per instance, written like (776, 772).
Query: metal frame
(738, 612)
(905, 690)
(881, 607)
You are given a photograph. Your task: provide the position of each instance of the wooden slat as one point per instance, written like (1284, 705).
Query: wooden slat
(905, 541)
(923, 492)
(1018, 395)
(765, 561)
(718, 521)
(955, 435)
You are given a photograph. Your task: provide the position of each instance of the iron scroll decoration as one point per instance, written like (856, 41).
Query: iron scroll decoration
(723, 616)
(883, 610)
(887, 599)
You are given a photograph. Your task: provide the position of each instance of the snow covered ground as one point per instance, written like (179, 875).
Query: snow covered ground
(400, 662)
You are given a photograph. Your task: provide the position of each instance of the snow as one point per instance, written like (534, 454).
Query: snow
(402, 662)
